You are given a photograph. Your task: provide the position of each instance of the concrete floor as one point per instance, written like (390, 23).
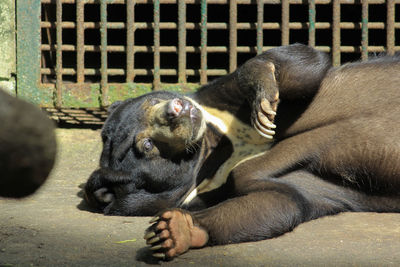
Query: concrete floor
(54, 228)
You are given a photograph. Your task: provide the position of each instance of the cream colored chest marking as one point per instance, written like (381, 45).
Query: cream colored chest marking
(247, 144)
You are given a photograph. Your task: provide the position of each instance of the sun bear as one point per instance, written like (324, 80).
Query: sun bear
(284, 139)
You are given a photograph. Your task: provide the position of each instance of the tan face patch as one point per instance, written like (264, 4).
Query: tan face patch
(177, 133)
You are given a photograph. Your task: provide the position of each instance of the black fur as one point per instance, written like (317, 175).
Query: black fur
(27, 147)
(336, 148)
(137, 184)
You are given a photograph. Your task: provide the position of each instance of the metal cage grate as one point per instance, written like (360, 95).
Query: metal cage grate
(162, 43)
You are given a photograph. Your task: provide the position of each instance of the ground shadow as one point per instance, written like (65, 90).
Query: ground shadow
(83, 204)
(145, 255)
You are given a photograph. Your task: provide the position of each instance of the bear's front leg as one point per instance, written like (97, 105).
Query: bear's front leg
(173, 233)
(263, 115)
(261, 209)
(258, 77)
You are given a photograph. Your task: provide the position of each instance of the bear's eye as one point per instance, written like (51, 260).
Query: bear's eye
(147, 145)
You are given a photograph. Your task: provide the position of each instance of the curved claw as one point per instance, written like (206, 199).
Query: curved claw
(263, 134)
(156, 247)
(153, 240)
(263, 131)
(263, 124)
(149, 235)
(266, 107)
(159, 255)
(265, 121)
(153, 220)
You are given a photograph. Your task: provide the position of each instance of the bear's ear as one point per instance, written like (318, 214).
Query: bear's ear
(113, 107)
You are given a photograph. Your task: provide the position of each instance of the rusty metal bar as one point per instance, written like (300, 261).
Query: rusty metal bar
(210, 49)
(181, 41)
(260, 20)
(49, 38)
(157, 78)
(390, 22)
(222, 25)
(103, 47)
(80, 42)
(145, 72)
(203, 42)
(221, 2)
(59, 82)
(311, 22)
(232, 35)
(336, 33)
(364, 30)
(194, 49)
(130, 40)
(285, 22)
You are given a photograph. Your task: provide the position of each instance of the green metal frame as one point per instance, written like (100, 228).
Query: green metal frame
(30, 88)
(7, 44)
(28, 51)
(86, 95)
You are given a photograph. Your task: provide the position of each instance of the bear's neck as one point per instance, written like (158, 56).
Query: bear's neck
(227, 143)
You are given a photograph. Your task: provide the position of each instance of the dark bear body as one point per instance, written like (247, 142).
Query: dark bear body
(335, 149)
(27, 147)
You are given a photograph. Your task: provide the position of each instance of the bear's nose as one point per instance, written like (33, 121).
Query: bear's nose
(177, 107)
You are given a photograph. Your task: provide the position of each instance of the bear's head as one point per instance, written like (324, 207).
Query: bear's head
(151, 152)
